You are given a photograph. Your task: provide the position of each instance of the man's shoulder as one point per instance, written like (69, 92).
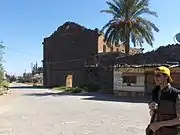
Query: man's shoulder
(172, 93)
(175, 90)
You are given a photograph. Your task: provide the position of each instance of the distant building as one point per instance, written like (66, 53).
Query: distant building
(104, 48)
(27, 77)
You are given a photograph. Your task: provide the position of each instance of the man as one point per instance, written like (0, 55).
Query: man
(166, 101)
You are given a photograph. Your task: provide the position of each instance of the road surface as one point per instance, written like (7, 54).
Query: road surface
(39, 112)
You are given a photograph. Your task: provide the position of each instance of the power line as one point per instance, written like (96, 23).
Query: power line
(22, 52)
(16, 50)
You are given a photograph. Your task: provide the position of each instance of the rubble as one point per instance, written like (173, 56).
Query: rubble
(164, 54)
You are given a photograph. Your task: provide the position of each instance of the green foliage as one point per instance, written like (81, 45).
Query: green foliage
(4, 87)
(36, 69)
(5, 84)
(61, 88)
(69, 90)
(90, 87)
(20, 80)
(11, 78)
(128, 24)
(2, 47)
(1, 74)
(83, 88)
(1, 66)
(75, 90)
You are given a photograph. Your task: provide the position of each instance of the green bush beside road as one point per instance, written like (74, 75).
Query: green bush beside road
(4, 87)
(69, 90)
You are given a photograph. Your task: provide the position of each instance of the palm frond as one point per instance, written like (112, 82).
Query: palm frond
(118, 3)
(128, 25)
(118, 34)
(107, 25)
(110, 39)
(108, 31)
(136, 38)
(109, 12)
(113, 7)
(140, 8)
(144, 33)
(144, 11)
(148, 23)
(133, 39)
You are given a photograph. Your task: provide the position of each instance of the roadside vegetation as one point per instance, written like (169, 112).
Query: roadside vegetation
(81, 89)
(4, 84)
(69, 90)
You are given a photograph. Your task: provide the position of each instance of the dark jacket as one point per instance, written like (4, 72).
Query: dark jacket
(166, 108)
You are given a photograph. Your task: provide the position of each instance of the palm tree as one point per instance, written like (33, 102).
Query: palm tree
(128, 24)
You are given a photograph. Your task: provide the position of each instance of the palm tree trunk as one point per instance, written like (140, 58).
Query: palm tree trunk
(127, 48)
(127, 45)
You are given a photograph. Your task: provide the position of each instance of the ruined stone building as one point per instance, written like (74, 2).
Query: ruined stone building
(67, 50)
(135, 73)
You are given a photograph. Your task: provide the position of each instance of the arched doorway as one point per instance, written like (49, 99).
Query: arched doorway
(69, 81)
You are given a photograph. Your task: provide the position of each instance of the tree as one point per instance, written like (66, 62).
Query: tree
(128, 24)
(34, 69)
(12, 78)
(1, 60)
(2, 47)
(1, 73)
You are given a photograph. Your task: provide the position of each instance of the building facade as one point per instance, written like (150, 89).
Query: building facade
(129, 79)
(67, 50)
(104, 48)
(132, 80)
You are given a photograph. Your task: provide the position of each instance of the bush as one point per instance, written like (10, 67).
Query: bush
(4, 84)
(90, 87)
(4, 87)
(61, 88)
(83, 88)
(69, 90)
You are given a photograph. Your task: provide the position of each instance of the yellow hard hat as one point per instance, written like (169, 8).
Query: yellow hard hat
(166, 71)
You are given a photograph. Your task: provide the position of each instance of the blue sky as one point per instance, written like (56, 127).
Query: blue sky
(24, 24)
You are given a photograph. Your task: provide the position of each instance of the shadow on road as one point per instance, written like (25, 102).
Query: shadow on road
(94, 97)
(27, 87)
(112, 98)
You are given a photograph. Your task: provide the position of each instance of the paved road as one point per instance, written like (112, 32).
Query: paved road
(38, 112)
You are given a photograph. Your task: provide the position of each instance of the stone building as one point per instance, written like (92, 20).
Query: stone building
(104, 48)
(67, 51)
(139, 79)
(135, 73)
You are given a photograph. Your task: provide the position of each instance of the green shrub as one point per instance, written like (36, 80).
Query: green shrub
(83, 88)
(69, 90)
(61, 88)
(4, 87)
(76, 90)
(5, 84)
(90, 87)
